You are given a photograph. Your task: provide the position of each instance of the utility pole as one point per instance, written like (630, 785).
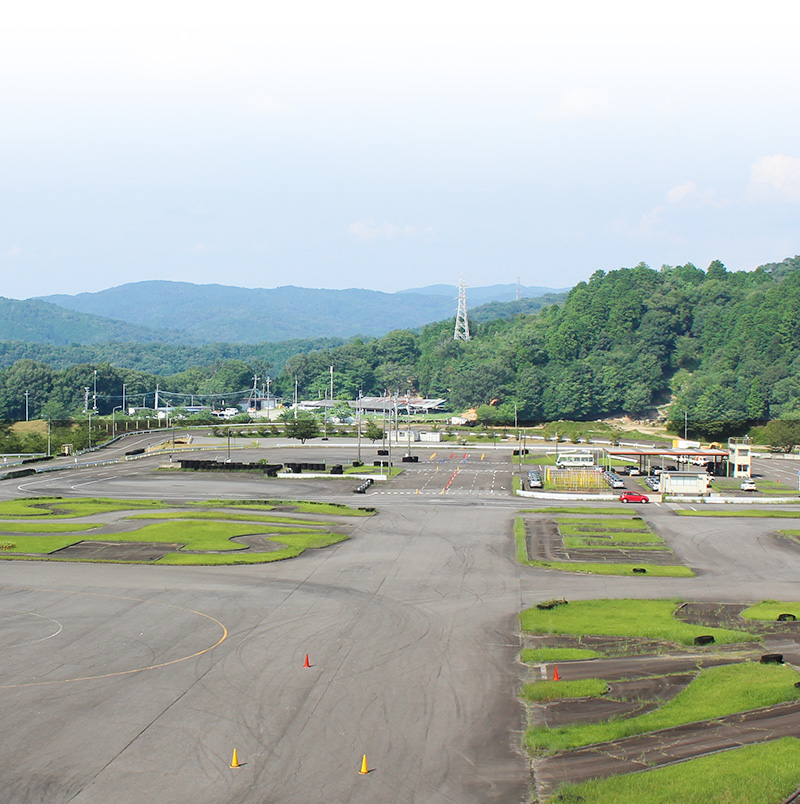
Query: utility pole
(295, 397)
(124, 391)
(85, 398)
(331, 385)
(48, 436)
(156, 399)
(94, 393)
(27, 394)
(685, 424)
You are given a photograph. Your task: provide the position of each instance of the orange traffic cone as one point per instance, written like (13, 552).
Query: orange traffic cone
(364, 767)
(307, 663)
(235, 760)
(556, 676)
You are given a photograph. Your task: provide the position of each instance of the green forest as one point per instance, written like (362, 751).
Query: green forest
(719, 347)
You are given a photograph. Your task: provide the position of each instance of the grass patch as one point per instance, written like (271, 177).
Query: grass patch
(556, 690)
(294, 545)
(770, 609)
(567, 509)
(519, 538)
(651, 619)
(627, 523)
(653, 570)
(755, 774)
(600, 542)
(222, 516)
(43, 527)
(715, 692)
(537, 655)
(751, 513)
(299, 506)
(57, 507)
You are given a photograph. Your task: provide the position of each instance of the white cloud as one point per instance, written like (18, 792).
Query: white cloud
(681, 191)
(369, 230)
(577, 104)
(775, 178)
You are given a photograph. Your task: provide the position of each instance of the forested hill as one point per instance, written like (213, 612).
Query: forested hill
(722, 346)
(725, 344)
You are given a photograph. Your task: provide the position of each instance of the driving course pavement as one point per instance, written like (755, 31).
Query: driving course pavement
(135, 683)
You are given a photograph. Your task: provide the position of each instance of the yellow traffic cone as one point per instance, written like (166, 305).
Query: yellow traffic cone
(364, 768)
(235, 760)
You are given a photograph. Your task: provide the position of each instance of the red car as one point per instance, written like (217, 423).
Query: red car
(633, 496)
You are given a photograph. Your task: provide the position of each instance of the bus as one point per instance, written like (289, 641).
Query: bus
(570, 460)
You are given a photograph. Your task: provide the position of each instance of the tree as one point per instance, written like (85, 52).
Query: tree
(302, 427)
(372, 431)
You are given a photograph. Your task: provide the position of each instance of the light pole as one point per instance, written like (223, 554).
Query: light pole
(685, 424)
(48, 436)
(94, 393)
(114, 420)
(90, 429)
(229, 446)
(358, 424)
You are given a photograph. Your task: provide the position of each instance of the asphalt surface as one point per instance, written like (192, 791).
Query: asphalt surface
(410, 627)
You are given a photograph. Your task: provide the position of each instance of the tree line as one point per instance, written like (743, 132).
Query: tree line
(717, 349)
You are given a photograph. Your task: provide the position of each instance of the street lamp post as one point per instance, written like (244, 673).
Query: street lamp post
(229, 445)
(90, 429)
(358, 424)
(114, 420)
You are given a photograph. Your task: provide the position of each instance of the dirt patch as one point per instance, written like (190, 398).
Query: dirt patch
(117, 551)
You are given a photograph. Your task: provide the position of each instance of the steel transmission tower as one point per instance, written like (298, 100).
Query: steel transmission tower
(462, 323)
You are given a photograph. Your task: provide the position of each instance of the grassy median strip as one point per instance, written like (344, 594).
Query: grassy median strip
(556, 690)
(587, 511)
(657, 570)
(770, 609)
(715, 692)
(650, 619)
(756, 774)
(751, 513)
(537, 655)
(519, 537)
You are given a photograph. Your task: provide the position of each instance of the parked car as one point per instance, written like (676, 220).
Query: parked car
(633, 497)
(634, 471)
(748, 485)
(652, 482)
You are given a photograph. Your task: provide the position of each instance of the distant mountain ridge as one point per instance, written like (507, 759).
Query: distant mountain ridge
(38, 321)
(200, 314)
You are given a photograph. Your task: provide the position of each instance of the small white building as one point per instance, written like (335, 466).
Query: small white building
(740, 460)
(691, 483)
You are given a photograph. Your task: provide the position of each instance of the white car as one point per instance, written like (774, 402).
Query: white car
(748, 485)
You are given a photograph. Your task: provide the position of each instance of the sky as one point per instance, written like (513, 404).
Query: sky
(391, 145)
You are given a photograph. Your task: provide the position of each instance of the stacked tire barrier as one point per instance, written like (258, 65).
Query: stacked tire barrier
(410, 458)
(362, 489)
(270, 469)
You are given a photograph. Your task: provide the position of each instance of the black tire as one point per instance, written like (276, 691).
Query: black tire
(625, 500)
